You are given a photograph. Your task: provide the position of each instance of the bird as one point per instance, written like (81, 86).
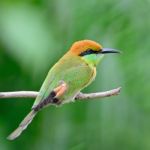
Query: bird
(67, 78)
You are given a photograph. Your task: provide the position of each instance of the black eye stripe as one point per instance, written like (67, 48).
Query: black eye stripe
(89, 51)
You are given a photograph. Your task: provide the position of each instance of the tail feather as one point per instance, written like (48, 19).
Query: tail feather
(22, 126)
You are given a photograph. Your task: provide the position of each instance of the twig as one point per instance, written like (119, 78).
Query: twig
(19, 94)
(84, 96)
(80, 96)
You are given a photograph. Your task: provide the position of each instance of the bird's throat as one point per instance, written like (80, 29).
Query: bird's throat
(93, 59)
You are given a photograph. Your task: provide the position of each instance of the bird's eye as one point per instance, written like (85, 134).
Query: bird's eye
(88, 52)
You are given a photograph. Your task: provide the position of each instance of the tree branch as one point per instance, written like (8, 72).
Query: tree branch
(80, 96)
(84, 96)
(19, 94)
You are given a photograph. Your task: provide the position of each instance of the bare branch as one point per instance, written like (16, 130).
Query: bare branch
(109, 93)
(19, 94)
(80, 96)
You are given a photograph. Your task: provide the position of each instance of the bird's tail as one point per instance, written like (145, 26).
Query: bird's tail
(23, 125)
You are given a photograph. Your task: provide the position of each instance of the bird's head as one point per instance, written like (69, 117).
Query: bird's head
(91, 52)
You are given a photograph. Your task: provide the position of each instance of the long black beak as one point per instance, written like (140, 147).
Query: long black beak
(109, 50)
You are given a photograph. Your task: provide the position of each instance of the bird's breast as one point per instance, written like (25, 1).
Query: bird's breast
(93, 75)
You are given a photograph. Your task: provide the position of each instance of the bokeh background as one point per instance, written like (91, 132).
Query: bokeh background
(34, 34)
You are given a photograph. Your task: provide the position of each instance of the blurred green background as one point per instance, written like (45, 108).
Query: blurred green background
(34, 34)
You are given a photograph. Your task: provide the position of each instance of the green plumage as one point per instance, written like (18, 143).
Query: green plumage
(74, 71)
(77, 69)
(77, 72)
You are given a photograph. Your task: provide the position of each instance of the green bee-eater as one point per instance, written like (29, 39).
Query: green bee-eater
(72, 73)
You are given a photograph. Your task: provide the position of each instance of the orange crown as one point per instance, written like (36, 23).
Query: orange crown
(81, 46)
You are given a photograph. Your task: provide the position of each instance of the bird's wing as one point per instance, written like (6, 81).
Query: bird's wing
(53, 97)
(77, 78)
